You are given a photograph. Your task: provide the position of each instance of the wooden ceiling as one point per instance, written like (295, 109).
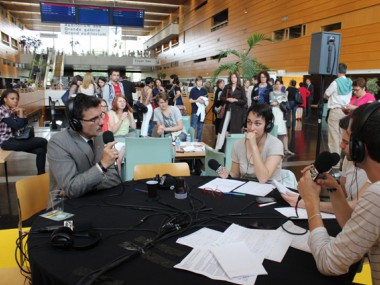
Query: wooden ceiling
(156, 11)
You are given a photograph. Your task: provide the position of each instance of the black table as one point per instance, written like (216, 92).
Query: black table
(113, 211)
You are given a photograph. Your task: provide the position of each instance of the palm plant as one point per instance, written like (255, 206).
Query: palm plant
(246, 66)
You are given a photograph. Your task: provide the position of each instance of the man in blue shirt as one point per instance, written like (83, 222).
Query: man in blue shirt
(199, 102)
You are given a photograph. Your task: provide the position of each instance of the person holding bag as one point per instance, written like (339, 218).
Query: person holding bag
(12, 119)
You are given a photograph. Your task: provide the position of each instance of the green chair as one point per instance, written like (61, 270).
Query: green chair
(212, 154)
(230, 140)
(191, 131)
(186, 122)
(274, 131)
(145, 151)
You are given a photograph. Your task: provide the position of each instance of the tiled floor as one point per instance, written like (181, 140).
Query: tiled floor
(302, 141)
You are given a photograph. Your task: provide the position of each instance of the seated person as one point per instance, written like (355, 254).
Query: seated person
(353, 181)
(259, 154)
(360, 226)
(79, 161)
(169, 119)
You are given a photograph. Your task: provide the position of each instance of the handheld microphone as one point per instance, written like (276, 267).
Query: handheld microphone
(215, 165)
(324, 162)
(108, 137)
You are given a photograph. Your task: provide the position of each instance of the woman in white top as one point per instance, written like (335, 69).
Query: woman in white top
(88, 85)
(259, 154)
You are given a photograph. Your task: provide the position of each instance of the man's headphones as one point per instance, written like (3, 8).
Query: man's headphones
(357, 147)
(65, 238)
(74, 122)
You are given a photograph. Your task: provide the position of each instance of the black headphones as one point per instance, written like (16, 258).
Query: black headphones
(64, 237)
(357, 147)
(166, 182)
(74, 122)
(269, 124)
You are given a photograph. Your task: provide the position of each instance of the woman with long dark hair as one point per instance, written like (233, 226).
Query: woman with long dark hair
(234, 97)
(260, 92)
(217, 108)
(12, 119)
(74, 85)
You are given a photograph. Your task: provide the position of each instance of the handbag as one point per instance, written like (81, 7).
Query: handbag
(25, 133)
(140, 107)
(298, 98)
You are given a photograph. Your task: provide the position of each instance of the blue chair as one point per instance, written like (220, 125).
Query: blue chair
(230, 140)
(146, 151)
(212, 154)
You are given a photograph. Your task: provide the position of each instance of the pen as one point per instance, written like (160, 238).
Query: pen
(141, 190)
(234, 193)
(266, 204)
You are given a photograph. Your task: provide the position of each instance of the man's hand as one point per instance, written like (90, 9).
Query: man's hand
(308, 189)
(109, 155)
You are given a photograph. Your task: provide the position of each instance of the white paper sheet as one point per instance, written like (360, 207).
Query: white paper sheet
(200, 260)
(302, 214)
(299, 241)
(255, 188)
(270, 244)
(223, 185)
(237, 260)
(281, 188)
(202, 237)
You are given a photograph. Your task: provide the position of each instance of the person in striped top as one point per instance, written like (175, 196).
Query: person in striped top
(360, 226)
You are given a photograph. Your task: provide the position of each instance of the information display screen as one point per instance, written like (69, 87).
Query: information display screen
(94, 15)
(58, 12)
(128, 17)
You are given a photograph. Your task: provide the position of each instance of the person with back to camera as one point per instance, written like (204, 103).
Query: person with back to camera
(12, 119)
(259, 154)
(353, 181)
(79, 160)
(291, 92)
(360, 226)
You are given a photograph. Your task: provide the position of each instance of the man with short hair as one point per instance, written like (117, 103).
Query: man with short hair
(79, 161)
(199, 102)
(338, 94)
(113, 88)
(129, 88)
(309, 99)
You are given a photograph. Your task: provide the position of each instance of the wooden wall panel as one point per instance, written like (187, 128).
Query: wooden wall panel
(360, 29)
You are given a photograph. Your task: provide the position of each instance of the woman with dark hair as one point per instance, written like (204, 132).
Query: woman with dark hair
(260, 92)
(291, 92)
(304, 94)
(12, 119)
(157, 89)
(174, 93)
(218, 104)
(361, 96)
(259, 154)
(233, 96)
(74, 85)
(146, 99)
(101, 82)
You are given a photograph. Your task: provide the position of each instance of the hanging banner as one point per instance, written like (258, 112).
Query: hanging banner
(145, 61)
(84, 30)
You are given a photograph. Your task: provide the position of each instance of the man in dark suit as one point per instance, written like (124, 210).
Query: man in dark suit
(78, 159)
(309, 99)
(129, 88)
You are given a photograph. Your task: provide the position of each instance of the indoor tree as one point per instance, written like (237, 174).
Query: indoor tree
(246, 66)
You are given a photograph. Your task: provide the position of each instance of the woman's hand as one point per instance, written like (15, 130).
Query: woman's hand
(19, 111)
(291, 198)
(250, 137)
(224, 173)
(124, 115)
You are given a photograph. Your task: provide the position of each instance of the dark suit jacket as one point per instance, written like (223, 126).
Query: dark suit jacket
(129, 88)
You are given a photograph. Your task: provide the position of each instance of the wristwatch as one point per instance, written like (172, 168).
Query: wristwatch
(102, 167)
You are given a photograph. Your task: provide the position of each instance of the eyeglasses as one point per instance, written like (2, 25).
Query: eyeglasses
(104, 106)
(216, 193)
(95, 120)
(356, 90)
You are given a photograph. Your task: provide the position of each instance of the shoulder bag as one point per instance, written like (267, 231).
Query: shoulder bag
(25, 133)
(298, 98)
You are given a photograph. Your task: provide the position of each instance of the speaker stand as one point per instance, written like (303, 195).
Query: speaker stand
(320, 115)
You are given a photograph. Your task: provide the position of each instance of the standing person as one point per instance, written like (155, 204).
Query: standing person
(75, 83)
(199, 101)
(145, 99)
(158, 88)
(120, 119)
(218, 106)
(260, 92)
(291, 92)
(169, 119)
(309, 101)
(100, 85)
(234, 97)
(338, 94)
(12, 119)
(254, 81)
(208, 87)
(259, 154)
(88, 85)
(113, 87)
(129, 88)
(276, 97)
(360, 226)
(79, 161)
(174, 93)
(361, 96)
(304, 94)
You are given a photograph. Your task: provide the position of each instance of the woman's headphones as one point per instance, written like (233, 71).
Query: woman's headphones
(64, 237)
(74, 122)
(357, 146)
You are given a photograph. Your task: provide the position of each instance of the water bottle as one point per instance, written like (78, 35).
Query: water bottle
(177, 144)
(188, 139)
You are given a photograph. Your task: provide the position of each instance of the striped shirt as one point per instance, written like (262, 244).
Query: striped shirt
(360, 234)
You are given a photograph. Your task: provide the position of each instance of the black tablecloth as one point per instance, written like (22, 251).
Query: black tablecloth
(117, 214)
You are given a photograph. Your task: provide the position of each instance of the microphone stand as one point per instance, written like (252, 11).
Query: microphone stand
(320, 115)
